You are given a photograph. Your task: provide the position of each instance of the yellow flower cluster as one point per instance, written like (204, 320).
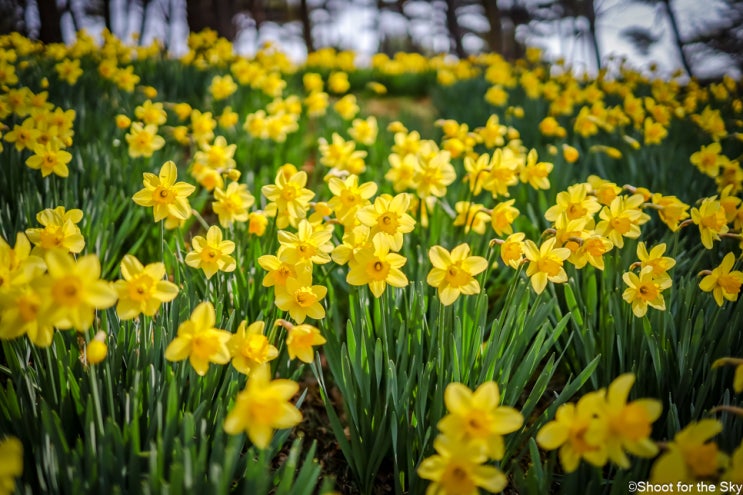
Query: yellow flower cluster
(53, 286)
(45, 130)
(471, 434)
(602, 426)
(46, 288)
(263, 405)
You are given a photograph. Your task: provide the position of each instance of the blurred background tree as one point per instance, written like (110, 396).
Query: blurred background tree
(582, 31)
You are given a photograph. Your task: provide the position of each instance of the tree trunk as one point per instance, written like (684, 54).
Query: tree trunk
(198, 15)
(589, 10)
(455, 32)
(304, 13)
(495, 34)
(214, 14)
(143, 21)
(225, 18)
(106, 6)
(50, 30)
(677, 37)
(67, 9)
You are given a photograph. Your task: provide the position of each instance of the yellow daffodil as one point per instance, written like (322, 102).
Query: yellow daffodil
(377, 267)
(222, 87)
(300, 340)
(349, 196)
(123, 121)
(388, 217)
(661, 264)
(654, 132)
(257, 223)
(166, 196)
(570, 153)
(151, 113)
(711, 122)
(512, 249)
(708, 159)
(622, 218)
(143, 140)
(316, 103)
(288, 198)
(492, 133)
(364, 131)
(346, 107)
(202, 126)
(435, 173)
(567, 432)
(723, 281)
(738, 378)
(477, 171)
(279, 271)
(454, 273)
(592, 250)
(472, 216)
(645, 290)
(406, 143)
(143, 289)
(262, 407)
(60, 231)
(341, 155)
(69, 70)
(20, 303)
(377, 87)
(734, 473)
(604, 190)
(250, 348)
(575, 202)
(211, 253)
(403, 171)
(50, 159)
(691, 456)
(218, 155)
(23, 136)
(550, 127)
(199, 341)
(231, 205)
(545, 263)
(625, 426)
(96, 350)
(11, 460)
(496, 95)
(300, 298)
(535, 173)
(338, 82)
(72, 290)
(502, 172)
(458, 468)
(711, 219)
(478, 417)
(354, 241)
(312, 81)
(18, 265)
(671, 210)
(502, 217)
(228, 118)
(308, 245)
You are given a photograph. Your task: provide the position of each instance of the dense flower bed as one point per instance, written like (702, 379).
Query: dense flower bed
(493, 275)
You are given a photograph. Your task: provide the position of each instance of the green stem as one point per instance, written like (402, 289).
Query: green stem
(51, 374)
(96, 398)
